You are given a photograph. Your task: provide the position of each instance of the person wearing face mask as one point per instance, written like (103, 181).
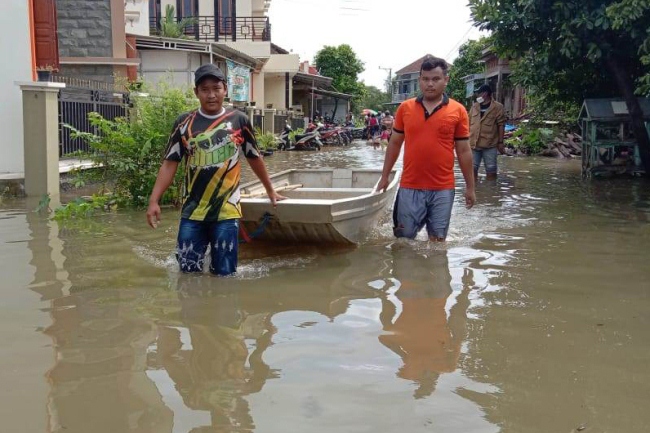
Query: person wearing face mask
(487, 122)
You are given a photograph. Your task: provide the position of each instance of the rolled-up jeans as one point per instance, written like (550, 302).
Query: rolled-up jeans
(489, 156)
(194, 238)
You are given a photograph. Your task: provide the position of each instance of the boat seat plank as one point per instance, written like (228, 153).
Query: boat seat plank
(352, 190)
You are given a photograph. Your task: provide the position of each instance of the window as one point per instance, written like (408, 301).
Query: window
(186, 8)
(225, 19)
(154, 13)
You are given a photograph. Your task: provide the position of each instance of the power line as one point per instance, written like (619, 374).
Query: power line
(460, 41)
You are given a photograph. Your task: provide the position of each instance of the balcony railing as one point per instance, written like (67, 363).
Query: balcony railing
(215, 29)
(401, 97)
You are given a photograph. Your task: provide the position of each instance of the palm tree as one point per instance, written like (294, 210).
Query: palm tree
(170, 28)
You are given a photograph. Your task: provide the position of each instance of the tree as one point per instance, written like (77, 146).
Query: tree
(577, 40)
(374, 98)
(343, 66)
(465, 64)
(171, 28)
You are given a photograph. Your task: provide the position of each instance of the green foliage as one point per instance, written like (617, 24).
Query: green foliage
(44, 204)
(171, 28)
(128, 153)
(373, 98)
(530, 140)
(292, 134)
(265, 140)
(84, 207)
(571, 48)
(633, 16)
(465, 64)
(343, 66)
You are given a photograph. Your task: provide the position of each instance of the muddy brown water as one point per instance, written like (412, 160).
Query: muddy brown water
(534, 317)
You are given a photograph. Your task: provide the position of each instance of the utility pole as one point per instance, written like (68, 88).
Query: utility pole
(389, 84)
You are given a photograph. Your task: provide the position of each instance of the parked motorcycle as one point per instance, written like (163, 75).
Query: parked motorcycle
(310, 140)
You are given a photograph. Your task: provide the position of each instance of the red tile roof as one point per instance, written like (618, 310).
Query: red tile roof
(413, 67)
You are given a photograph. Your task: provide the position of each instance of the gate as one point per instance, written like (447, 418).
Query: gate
(75, 103)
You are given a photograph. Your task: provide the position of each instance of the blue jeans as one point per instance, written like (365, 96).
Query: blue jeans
(489, 156)
(416, 207)
(194, 238)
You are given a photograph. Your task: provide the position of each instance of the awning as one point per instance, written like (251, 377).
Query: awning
(336, 95)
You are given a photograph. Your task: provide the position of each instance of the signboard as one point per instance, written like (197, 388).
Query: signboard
(238, 81)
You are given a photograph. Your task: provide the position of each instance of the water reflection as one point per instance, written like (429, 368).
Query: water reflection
(415, 318)
(536, 307)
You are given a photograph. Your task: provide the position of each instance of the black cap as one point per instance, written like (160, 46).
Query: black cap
(208, 70)
(485, 88)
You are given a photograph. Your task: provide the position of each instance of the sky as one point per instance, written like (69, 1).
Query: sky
(383, 33)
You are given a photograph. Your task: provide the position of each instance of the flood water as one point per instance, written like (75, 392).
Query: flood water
(533, 317)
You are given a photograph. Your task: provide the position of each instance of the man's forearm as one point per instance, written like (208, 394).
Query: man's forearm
(466, 163)
(163, 180)
(392, 153)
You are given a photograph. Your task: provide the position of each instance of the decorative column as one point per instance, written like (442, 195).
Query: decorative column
(269, 120)
(41, 137)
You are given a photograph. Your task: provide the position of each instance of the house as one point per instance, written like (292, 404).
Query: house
(405, 83)
(496, 74)
(313, 93)
(232, 27)
(17, 19)
(89, 38)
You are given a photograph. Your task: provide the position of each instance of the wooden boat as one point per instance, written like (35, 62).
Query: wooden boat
(334, 206)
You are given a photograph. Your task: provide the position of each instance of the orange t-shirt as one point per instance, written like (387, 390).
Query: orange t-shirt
(429, 142)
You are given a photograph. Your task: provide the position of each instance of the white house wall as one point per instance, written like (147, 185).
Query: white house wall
(15, 48)
(258, 90)
(136, 16)
(257, 49)
(274, 92)
(281, 63)
(174, 67)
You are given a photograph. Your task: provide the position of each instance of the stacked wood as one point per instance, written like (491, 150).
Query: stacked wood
(569, 146)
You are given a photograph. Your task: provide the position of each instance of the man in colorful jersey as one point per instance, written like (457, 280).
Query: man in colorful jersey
(212, 141)
(431, 127)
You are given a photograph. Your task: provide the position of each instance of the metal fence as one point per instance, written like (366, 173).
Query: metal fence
(221, 28)
(297, 123)
(75, 103)
(258, 120)
(279, 122)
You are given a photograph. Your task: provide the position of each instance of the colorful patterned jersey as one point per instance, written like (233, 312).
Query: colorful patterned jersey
(212, 147)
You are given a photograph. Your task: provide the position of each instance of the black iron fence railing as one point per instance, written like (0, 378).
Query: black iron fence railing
(215, 28)
(75, 103)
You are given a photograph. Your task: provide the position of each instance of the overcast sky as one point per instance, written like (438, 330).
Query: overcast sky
(386, 33)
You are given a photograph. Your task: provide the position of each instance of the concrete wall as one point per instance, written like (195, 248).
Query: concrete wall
(258, 90)
(88, 72)
(84, 28)
(327, 107)
(252, 48)
(174, 67)
(139, 24)
(274, 92)
(282, 63)
(244, 8)
(16, 49)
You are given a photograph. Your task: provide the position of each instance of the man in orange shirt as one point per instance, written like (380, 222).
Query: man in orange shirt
(432, 126)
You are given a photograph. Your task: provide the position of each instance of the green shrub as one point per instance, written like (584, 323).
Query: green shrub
(129, 151)
(292, 134)
(265, 140)
(530, 140)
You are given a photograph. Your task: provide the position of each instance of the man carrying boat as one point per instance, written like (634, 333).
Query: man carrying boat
(212, 141)
(432, 126)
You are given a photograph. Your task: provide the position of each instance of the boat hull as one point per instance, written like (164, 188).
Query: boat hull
(341, 211)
